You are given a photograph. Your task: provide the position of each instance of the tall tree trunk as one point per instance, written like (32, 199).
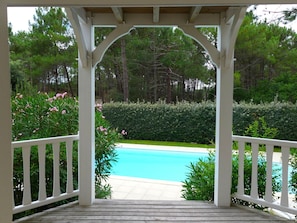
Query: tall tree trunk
(168, 86)
(56, 79)
(183, 88)
(155, 67)
(125, 70)
(68, 79)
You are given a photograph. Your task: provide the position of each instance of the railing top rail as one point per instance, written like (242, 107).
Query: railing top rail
(44, 140)
(274, 142)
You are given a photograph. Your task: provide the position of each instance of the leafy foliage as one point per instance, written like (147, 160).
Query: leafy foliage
(183, 122)
(259, 128)
(192, 122)
(293, 179)
(47, 115)
(158, 63)
(45, 56)
(277, 115)
(105, 153)
(199, 184)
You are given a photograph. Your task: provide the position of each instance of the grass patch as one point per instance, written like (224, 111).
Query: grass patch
(166, 143)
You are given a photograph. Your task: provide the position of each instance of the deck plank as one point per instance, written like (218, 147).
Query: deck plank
(140, 211)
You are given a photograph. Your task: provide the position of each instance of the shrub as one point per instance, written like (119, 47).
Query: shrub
(40, 116)
(47, 115)
(43, 115)
(260, 129)
(293, 179)
(199, 182)
(281, 116)
(183, 122)
(193, 122)
(105, 153)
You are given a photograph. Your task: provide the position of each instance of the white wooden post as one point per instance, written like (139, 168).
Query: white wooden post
(86, 122)
(224, 109)
(228, 30)
(6, 196)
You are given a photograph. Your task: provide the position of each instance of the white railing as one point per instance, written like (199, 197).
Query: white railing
(42, 145)
(270, 144)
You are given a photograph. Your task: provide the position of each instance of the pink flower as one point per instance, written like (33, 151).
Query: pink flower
(61, 95)
(58, 95)
(19, 96)
(102, 129)
(50, 99)
(98, 107)
(63, 112)
(124, 132)
(54, 109)
(28, 105)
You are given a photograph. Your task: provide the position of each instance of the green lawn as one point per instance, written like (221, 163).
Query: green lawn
(165, 143)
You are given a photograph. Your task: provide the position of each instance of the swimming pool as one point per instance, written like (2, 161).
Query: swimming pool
(155, 163)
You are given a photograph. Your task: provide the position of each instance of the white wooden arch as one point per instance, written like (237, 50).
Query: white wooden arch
(228, 21)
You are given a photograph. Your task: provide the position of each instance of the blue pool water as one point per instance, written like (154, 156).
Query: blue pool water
(155, 164)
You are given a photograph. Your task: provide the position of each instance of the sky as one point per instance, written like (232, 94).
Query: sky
(20, 17)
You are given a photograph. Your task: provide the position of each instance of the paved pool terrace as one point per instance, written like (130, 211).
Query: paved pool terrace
(147, 189)
(144, 189)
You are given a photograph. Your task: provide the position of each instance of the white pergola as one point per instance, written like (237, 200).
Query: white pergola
(125, 15)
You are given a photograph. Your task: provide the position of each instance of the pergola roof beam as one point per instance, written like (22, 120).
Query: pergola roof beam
(81, 13)
(156, 14)
(194, 13)
(118, 13)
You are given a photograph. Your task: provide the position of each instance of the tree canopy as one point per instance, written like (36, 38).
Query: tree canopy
(152, 64)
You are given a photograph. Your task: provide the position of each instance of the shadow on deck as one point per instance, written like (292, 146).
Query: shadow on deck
(138, 211)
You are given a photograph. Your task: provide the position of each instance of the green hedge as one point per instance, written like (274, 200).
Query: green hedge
(193, 122)
(282, 116)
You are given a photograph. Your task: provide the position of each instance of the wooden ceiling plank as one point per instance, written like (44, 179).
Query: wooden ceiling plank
(145, 20)
(142, 3)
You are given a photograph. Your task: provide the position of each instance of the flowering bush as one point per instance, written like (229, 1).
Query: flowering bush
(43, 116)
(48, 115)
(105, 154)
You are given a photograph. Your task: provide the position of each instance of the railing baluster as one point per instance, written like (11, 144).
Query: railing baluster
(241, 146)
(26, 146)
(41, 160)
(254, 186)
(253, 197)
(69, 186)
(12, 157)
(56, 162)
(268, 189)
(285, 175)
(26, 152)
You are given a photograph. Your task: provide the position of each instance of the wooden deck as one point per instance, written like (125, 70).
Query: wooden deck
(139, 211)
